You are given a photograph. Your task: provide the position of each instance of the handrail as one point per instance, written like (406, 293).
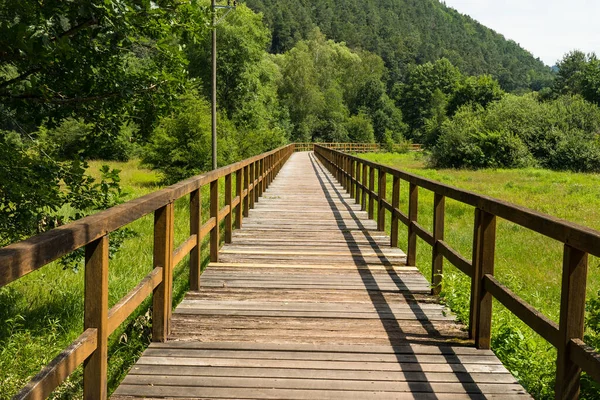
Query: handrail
(352, 147)
(252, 177)
(357, 176)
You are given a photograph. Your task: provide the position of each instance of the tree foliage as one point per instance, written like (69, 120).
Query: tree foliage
(405, 32)
(520, 130)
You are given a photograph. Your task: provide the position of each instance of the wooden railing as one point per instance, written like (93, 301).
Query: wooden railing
(358, 177)
(252, 176)
(352, 147)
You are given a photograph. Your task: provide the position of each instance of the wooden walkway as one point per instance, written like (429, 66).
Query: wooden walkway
(311, 302)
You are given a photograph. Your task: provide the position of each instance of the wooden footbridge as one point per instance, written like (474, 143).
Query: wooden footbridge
(309, 298)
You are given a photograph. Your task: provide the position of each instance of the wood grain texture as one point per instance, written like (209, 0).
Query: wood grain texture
(310, 301)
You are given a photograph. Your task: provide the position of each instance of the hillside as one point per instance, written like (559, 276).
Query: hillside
(404, 32)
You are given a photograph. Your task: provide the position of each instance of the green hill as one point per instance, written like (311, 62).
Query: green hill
(403, 32)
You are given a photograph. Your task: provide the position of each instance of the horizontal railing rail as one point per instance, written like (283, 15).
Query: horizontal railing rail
(353, 147)
(252, 177)
(358, 177)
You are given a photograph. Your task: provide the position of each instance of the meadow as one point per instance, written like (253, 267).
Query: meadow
(42, 313)
(528, 263)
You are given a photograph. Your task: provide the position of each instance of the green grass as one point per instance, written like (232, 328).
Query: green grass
(528, 263)
(42, 313)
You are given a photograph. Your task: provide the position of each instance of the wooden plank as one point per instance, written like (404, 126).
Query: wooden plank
(541, 324)
(52, 375)
(213, 266)
(275, 373)
(455, 258)
(585, 357)
(192, 383)
(184, 249)
(120, 311)
(207, 227)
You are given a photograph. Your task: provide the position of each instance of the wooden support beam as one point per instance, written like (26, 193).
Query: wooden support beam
(571, 324)
(214, 213)
(381, 193)
(437, 259)
(228, 218)
(95, 367)
(163, 253)
(483, 264)
(239, 216)
(195, 225)
(371, 191)
(395, 205)
(413, 214)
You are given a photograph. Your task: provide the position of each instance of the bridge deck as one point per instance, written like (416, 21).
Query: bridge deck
(311, 302)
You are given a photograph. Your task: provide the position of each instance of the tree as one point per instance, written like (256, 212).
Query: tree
(415, 96)
(106, 62)
(475, 90)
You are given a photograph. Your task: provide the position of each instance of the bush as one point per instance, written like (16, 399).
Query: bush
(74, 138)
(518, 131)
(181, 145)
(39, 193)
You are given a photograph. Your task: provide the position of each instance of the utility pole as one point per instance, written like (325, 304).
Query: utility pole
(215, 22)
(214, 86)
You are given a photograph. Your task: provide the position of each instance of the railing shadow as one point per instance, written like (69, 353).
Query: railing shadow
(396, 335)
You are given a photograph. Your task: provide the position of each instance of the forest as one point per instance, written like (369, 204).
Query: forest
(119, 80)
(125, 80)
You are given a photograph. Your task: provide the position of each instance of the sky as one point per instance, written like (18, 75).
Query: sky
(547, 28)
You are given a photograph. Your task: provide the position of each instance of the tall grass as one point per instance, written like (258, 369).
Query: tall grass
(528, 263)
(42, 313)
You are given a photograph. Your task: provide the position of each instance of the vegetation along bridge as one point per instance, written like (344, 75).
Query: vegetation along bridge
(308, 298)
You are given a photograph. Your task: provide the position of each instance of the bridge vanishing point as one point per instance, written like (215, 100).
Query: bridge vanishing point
(309, 298)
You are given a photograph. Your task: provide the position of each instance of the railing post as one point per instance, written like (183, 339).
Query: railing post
(371, 191)
(357, 184)
(437, 260)
(95, 368)
(228, 201)
(195, 225)
(395, 205)
(163, 254)
(256, 182)
(214, 213)
(571, 324)
(413, 215)
(365, 182)
(253, 189)
(351, 176)
(381, 193)
(483, 264)
(239, 192)
(261, 178)
(246, 207)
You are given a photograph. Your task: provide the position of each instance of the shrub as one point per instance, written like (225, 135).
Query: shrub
(181, 145)
(74, 138)
(518, 131)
